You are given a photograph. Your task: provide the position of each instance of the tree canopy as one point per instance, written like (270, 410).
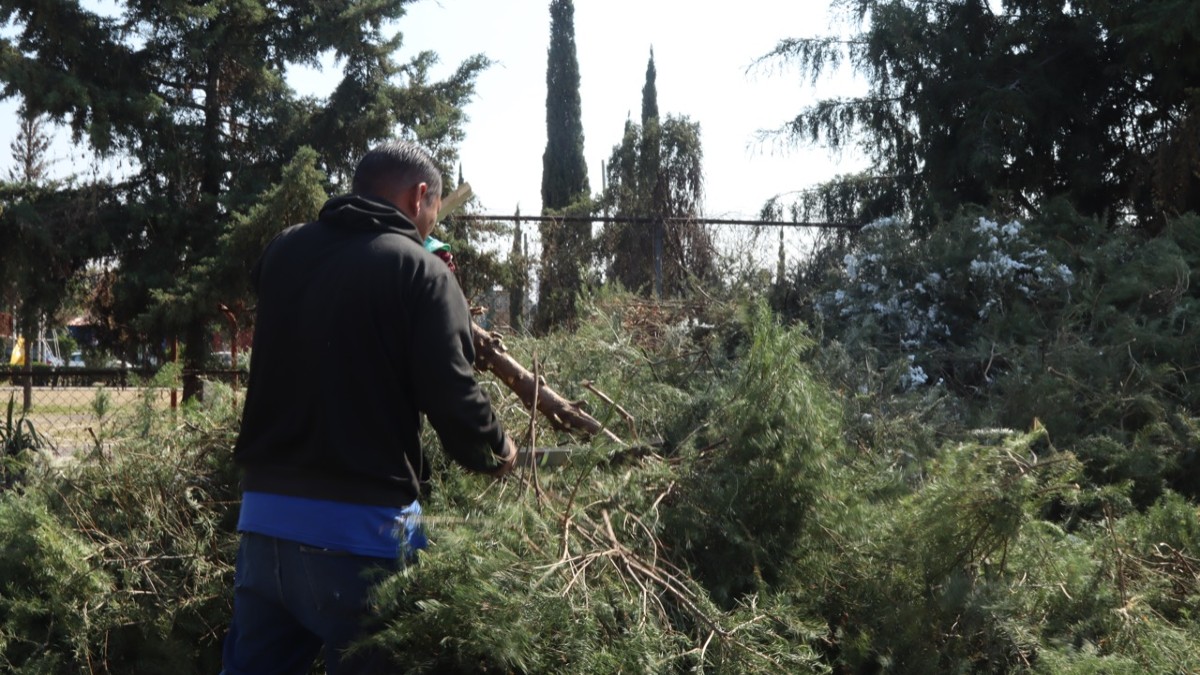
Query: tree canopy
(657, 173)
(194, 98)
(1007, 104)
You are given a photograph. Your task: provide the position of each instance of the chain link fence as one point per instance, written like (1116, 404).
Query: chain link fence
(758, 241)
(76, 409)
(750, 254)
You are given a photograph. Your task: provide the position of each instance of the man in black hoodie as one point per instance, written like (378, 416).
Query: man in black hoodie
(358, 331)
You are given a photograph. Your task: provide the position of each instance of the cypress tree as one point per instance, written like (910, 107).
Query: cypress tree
(650, 91)
(650, 178)
(564, 170)
(566, 246)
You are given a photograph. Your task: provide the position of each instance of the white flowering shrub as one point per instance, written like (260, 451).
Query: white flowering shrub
(917, 296)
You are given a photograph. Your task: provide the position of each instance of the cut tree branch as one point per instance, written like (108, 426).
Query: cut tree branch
(491, 356)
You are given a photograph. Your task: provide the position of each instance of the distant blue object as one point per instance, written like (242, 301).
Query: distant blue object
(434, 245)
(411, 532)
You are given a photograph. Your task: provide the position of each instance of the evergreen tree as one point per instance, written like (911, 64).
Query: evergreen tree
(656, 176)
(519, 267)
(29, 149)
(566, 246)
(565, 260)
(1005, 105)
(564, 169)
(50, 229)
(194, 96)
(649, 238)
(29, 167)
(650, 91)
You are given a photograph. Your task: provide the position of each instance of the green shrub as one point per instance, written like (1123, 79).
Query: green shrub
(19, 440)
(782, 506)
(122, 561)
(52, 588)
(756, 467)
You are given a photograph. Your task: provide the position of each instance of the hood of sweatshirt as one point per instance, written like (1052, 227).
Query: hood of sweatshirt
(357, 212)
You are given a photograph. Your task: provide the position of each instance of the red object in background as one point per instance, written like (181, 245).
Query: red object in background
(6, 325)
(448, 257)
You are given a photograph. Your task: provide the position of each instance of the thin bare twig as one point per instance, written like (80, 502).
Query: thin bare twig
(629, 420)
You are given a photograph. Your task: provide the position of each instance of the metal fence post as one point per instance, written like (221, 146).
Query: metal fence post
(658, 257)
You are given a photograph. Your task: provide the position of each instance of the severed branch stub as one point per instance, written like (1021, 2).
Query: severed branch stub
(491, 356)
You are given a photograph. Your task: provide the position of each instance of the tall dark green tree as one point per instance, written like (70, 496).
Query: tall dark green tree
(655, 175)
(564, 168)
(29, 165)
(518, 286)
(566, 246)
(1005, 104)
(193, 96)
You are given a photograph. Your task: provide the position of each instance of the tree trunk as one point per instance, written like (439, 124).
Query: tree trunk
(196, 344)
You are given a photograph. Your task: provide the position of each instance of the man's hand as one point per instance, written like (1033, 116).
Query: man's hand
(509, 460)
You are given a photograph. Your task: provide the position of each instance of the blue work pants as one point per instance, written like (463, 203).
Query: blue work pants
(292, 601)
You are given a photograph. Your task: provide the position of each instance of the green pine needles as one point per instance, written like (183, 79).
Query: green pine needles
(762, 517)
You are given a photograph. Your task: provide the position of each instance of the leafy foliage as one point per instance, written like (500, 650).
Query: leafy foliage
(51, 231)
(565, 267)
(772, 512)
(936, 300)
(121, 561)
(1093, 338)
(1006, 105)
(757, 471)
(18, 439)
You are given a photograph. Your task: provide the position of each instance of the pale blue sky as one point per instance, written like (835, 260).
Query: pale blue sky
(702, 52)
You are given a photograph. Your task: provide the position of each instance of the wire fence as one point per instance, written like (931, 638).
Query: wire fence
(75, 409)
(78, 408)
(753, 242)
(745, 253)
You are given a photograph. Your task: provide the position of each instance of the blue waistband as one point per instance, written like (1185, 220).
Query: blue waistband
(376, 531)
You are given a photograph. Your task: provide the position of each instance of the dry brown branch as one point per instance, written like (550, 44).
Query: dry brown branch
(566, 520)
(491, 356)
(636, 568)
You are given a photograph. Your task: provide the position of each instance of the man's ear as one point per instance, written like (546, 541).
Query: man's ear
(413, 199)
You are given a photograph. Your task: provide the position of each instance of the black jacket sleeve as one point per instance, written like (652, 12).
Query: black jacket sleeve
(441, 362)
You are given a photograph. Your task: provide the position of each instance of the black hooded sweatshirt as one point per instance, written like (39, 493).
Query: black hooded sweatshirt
(358, 330)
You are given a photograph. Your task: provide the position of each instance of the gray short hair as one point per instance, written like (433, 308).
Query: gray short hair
(399, 161)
